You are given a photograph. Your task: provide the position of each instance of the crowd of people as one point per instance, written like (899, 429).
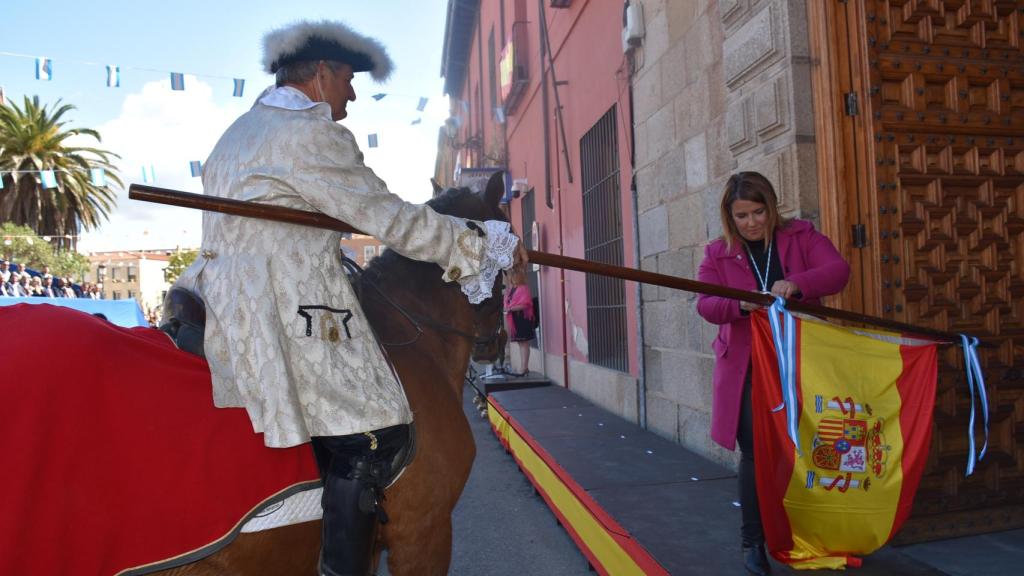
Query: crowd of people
(18, 281)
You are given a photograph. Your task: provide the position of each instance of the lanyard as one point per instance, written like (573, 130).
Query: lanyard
(767, 267)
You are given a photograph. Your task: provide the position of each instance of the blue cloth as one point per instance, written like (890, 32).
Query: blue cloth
(125, 312)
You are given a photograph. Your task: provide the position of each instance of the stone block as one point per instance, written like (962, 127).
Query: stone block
(721, 163)
(685, 222)
(771, 107)
(731, 12)
(778, 169)
(673, 70)
(803, 99)
(691, 108)
(646, 187)
(701, 50)
(646, 92)
(739, 124)
(653, 231)
(671, 174)
(678, 263)
(649, 292)
(688, 379)
(712, 199)
(661, 132)
(695, 428)
(796, 28)
(681, 16)
(696, 162)
(653, 373)
(640, 141)
(753, 46)
(807, 180)
(663, 417)
(656, 39)
(664, 324)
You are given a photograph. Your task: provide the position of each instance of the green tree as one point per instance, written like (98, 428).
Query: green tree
(179, 261)
(20, 244)
(34, 138)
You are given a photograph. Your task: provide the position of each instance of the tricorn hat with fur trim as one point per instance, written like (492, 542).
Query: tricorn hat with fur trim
(325, 40)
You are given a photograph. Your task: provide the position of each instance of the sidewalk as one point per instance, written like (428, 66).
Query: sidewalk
(636, 503)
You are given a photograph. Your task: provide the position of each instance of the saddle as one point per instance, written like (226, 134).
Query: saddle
(185, 320)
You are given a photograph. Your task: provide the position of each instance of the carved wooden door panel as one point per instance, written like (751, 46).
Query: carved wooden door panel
(943, 88)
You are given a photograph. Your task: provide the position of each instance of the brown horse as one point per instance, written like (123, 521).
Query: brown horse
(429, 331)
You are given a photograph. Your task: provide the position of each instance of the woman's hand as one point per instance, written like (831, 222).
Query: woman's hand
(749, 306)
(785, 289)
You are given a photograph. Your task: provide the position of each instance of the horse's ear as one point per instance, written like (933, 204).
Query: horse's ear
(495, 188)
(437, 187)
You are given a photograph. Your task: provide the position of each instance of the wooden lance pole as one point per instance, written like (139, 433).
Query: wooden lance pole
(317, 220)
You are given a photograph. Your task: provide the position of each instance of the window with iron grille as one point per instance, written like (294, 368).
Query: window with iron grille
(602, 242)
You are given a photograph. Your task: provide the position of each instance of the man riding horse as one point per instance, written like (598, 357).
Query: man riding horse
(285, 336)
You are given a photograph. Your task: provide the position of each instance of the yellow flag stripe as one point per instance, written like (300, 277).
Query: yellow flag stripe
(599, 544)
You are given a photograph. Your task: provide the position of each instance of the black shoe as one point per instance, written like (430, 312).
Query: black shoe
(755, 560)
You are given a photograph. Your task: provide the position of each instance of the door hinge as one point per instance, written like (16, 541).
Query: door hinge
(860, 237)
(851, 103)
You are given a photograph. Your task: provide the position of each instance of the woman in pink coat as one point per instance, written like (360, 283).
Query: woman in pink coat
(758, 252)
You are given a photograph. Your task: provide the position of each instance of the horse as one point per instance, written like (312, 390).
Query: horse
(430, 332)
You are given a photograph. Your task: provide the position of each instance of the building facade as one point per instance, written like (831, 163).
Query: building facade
(131, 274)
(894, 126)
(540, 89)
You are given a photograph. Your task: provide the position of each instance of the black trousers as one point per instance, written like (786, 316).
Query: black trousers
(750, 531)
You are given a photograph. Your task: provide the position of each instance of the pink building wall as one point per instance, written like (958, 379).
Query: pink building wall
(592, 73)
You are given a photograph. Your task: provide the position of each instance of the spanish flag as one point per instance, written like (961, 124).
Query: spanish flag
(839, 451)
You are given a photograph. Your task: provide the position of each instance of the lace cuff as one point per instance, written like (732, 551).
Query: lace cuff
(499, 248)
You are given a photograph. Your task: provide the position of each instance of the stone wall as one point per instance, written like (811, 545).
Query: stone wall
(716, 89)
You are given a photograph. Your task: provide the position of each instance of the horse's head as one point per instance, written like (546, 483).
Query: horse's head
(487, 316)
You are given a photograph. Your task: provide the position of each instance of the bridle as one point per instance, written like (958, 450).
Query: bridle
(418, 321)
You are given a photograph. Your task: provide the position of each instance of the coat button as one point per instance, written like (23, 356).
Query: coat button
(455, 273)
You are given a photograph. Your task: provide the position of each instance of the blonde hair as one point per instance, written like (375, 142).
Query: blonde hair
(753, 187)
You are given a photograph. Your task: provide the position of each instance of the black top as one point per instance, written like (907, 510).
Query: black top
(759, 263)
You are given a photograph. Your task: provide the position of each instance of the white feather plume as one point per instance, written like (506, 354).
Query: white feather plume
(289, 39)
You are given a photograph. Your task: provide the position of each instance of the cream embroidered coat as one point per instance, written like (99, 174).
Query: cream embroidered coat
(285, 336)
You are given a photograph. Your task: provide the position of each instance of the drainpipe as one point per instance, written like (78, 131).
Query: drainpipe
(641, 390)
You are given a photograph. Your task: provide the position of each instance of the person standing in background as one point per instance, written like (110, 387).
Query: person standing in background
(519, 316)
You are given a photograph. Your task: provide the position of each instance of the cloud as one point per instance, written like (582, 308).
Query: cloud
(164, 129)
(168, 129)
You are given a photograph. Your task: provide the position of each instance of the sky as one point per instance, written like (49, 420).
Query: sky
(212, 42)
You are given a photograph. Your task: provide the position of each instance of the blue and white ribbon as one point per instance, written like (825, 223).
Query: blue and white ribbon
(974, 377)
(784, 335)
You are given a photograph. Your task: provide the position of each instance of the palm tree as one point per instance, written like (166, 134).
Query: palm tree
(34, 138)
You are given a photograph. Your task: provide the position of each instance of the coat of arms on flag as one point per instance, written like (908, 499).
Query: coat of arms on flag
(840, 451)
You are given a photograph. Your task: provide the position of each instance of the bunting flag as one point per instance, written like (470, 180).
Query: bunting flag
(842, 427)
(97, 177)
(379, 96)
(113, 76)
(422, 105)
(177, 81)
(48, 179)
(196, 167)
(44, 69)
(416, 121)
(499, 114)
(372, 140)
(148, 174)
(239, 88)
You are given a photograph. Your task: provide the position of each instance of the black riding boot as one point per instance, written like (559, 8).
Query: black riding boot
(355, 471)
(349, 529)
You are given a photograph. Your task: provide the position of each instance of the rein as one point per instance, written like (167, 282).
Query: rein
(417, 321)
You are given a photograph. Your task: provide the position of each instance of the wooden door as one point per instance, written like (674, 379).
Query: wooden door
(935, 108)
